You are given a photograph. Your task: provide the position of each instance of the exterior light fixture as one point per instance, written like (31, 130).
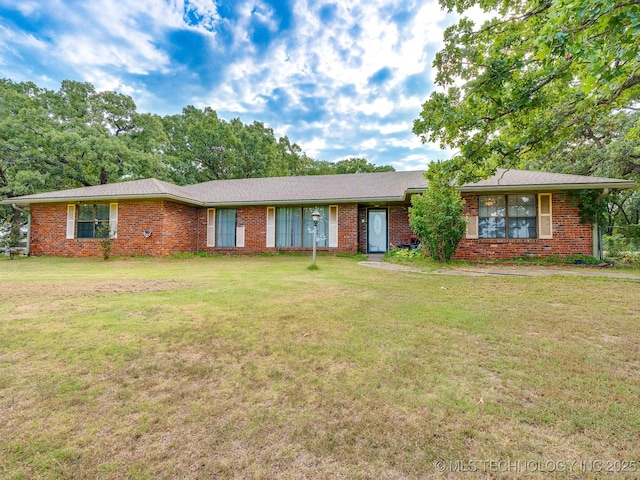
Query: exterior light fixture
(315, 216)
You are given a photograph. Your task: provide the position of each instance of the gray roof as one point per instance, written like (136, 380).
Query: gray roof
(352, 188)
(358, 187)
(140, 189)
(509, 179)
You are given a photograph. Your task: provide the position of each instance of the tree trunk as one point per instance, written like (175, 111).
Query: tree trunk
(15, 235)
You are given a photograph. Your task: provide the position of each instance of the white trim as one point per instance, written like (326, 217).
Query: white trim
(240, 236)
(71, 221)
(546, 216)
(211, 227)
(333, 226)
(271, 227)
(113, 220)
(472, 227)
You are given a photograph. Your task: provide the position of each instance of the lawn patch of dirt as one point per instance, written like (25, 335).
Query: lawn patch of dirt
(58, 290)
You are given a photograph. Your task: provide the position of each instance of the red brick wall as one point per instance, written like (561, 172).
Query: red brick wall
(348, 222)
(399, 229)
(172, 228)
(569, 236)
(181, 228)
(254, 220)
(48, 232)
(362, 229)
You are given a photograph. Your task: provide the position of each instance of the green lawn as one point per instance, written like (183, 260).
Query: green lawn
(256, 367)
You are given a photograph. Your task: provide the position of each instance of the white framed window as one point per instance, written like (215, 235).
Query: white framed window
(507, 216)
(92, 220)
(226, 227)
(221, 228)
(294, 227)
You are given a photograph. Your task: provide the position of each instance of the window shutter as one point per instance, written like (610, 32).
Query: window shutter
(472, 226)
(113, 220)
(545, 224)
(211, 227)
(71, 221)
(271, 227)
(333, 225)
(240, 236)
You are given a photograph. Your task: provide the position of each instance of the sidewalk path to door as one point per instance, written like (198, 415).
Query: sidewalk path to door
(514, 271)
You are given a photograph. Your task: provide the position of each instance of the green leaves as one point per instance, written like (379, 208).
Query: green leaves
(436, 216)
(77, 136)
(523, 81)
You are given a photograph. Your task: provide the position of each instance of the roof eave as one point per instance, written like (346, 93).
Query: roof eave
(95, 198)
(547, 187)
(318, 201)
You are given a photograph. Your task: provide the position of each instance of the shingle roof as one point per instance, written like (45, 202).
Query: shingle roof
(382, 186)
(147, 188)
(506, 179)
(358, 187)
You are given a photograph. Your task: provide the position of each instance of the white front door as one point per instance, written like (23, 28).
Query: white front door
(377, 235)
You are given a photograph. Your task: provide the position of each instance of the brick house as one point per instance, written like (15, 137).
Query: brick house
(513, 213)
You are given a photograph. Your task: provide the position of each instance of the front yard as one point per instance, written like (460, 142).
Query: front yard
(255, 367)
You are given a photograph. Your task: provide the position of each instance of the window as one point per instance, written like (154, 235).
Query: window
(226, 227)
(294, 227)
(93, 221)
(222, 230)
(507, 216)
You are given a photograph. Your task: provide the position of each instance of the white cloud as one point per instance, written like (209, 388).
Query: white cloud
(314, 146)
(113, 43)
(415, 161)
(25, 7)
(9, 39)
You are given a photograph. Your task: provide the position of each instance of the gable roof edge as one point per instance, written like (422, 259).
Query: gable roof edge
(99, 198)
(622, 185)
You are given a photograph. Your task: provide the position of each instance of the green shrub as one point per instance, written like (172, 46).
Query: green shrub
(632, 258)
(436, 217)
(614, 245)
(105, 240)
(404, 254)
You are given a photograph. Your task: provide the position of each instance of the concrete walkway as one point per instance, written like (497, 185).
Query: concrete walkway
(389, 266)
(376, 261)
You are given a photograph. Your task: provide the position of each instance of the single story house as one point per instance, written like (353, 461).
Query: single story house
(514, 213)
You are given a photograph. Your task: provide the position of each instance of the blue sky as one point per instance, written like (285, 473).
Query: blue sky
(340, 78)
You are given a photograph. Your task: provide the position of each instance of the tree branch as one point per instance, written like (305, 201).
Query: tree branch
(525, 17)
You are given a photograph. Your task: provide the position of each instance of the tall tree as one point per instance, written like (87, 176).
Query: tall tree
(73, 137)
(201, 146)
(529, 78)
(360, 165)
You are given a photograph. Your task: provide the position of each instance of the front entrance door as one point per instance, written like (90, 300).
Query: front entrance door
(377, 230)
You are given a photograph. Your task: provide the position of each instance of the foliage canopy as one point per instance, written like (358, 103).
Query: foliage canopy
(535, 75)
(77, 136)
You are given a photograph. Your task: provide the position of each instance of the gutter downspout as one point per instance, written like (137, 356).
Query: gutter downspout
(28, 212)
(597, 232)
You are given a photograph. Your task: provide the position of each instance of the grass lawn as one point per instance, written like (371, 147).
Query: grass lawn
(256, 367)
